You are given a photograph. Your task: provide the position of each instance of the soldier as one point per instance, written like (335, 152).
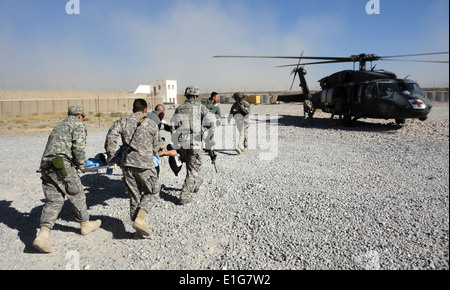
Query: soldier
(158, 116)
(187, 140)
(213, 104)
(241, 112)
(140, 143)
(61, 163)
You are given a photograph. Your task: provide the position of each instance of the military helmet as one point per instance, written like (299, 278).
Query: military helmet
(192, 91)
(239, 96)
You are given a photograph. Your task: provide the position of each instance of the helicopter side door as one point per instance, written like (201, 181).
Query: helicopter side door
(358, 100)
(388, 93)
(370, 105)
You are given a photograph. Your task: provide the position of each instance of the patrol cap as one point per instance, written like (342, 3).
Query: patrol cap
(191, 91)
(75, 110)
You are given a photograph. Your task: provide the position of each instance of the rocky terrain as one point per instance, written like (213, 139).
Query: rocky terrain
(320, 196)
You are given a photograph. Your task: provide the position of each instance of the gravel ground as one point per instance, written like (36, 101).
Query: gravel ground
(374, 196)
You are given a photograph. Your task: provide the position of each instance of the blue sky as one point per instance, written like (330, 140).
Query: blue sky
(115, 45)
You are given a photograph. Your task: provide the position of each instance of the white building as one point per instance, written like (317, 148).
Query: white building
(166, 89)
(143, 89)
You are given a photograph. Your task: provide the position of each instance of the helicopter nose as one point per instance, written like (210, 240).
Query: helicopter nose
(416, 108)
(417, 104)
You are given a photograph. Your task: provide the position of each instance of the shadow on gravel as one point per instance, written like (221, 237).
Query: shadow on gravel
(169, 194)
(328, 123)
(25, 223)
(230, 152)
(99, 188)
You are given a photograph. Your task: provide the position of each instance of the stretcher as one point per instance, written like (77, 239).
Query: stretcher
(98, 165)
(108, 170)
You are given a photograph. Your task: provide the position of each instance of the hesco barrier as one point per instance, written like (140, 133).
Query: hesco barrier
(12, 108)
(437, 96)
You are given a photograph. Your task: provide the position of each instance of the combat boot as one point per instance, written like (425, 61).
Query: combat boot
(198, 184)
(139, 224)
(42, 243)
(88, 227)
(185, 198)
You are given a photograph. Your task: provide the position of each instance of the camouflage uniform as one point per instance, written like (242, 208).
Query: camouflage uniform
(213, 107)
(190, 152)
(138, 169)
(67, 140)
(242, 109)
(155, 117)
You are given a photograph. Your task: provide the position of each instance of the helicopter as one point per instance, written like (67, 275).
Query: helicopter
(363, 93)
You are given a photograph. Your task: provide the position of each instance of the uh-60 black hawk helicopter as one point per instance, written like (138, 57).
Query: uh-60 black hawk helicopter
(355, 94)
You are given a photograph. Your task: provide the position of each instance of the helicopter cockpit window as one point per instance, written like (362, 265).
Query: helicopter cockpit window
(388, 89)
(371, 91)
(360, 95)
(411, 88)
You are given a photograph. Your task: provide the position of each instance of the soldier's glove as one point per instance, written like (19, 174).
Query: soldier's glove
(111, 160)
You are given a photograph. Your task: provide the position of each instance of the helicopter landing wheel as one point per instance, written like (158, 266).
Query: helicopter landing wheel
(348, 121)
(308, 115)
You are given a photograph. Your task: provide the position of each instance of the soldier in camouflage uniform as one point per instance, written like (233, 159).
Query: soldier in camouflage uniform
(63, 157)
(142, 137)
(213, 106)
(241, 112)
(187, 139)
(158, 117)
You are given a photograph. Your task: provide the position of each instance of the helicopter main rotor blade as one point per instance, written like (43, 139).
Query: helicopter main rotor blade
(321, 62)
(354, 58)
(413, 60)
(284, 57)
(419, 54)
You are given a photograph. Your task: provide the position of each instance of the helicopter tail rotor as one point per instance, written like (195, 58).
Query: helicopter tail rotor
(295, 71)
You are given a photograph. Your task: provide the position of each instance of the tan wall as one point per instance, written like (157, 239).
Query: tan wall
(10, 108)
(50, 95)
(19, 103)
